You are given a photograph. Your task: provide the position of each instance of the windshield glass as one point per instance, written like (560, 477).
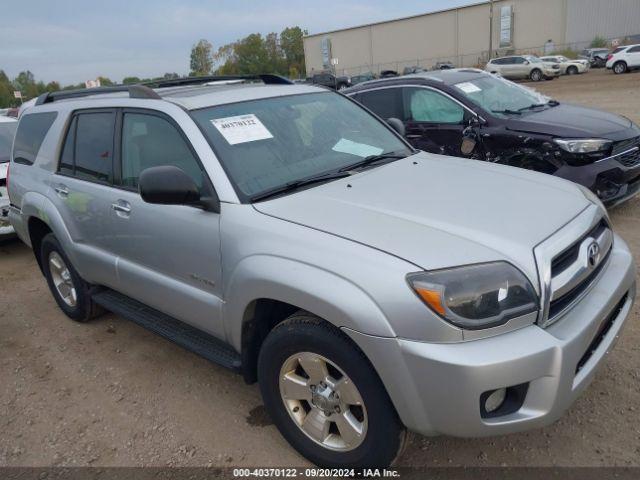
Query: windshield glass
(7, 132)
(495, 94)
(266, 144)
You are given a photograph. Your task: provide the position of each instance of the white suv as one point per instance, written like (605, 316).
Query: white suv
(523, 66)
(623, 59)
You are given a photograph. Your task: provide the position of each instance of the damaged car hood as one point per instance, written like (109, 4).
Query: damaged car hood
(437, 212)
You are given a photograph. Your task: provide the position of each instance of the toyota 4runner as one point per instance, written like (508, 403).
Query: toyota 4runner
(287, 233)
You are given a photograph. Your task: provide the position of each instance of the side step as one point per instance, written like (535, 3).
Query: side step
(168, 327)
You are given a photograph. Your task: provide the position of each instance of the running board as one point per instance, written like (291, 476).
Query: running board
(186, 336)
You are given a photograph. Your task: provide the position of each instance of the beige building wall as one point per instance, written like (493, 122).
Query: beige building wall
(458, 35)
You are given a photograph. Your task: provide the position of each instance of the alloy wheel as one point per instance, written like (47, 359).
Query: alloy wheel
(62, 279)
(323, 401)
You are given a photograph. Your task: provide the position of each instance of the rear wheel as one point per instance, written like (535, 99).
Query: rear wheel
(71, 293)
(619, 68)
(536, 75)
(325, 397)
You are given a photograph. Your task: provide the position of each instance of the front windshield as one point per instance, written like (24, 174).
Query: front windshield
(500, 96)
(265, 144)
(7, 132)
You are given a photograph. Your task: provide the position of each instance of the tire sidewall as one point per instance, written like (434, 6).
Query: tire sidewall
(572, 70)
(384, 431)
(622, 69)
(82, 310)
(536, 75)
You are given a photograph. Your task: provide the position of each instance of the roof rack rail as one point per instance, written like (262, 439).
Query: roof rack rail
(267, 78)
(135, 91)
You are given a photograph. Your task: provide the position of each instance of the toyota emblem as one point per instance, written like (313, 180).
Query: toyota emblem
(593, 254)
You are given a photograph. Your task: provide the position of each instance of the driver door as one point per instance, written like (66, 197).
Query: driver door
(434, 122)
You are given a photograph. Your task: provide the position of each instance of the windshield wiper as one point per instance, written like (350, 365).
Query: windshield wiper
(295, 185)
(373, 159)
(531, 107)
(507, 112)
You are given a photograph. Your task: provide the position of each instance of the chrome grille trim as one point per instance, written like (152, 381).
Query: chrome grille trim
(575, 233)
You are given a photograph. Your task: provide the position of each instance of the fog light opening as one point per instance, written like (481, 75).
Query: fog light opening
(495, 400)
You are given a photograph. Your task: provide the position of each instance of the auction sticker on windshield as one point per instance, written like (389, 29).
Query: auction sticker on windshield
(468, 87)
(241, 129)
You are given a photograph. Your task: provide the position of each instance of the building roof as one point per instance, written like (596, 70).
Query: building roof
(382, 22)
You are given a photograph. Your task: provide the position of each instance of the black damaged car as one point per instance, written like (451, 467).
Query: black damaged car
(474, 114)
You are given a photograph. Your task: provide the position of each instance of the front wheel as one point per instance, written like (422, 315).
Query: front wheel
(536, 75)
(325, 397)
(619, 68)
(572, 70)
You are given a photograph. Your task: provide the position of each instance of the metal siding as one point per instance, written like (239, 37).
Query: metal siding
(607, 18)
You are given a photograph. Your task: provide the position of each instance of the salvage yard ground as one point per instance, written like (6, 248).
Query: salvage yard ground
(109, 393)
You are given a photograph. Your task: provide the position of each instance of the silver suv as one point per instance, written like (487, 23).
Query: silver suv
(285, 232)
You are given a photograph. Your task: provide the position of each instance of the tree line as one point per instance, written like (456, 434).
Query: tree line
(280, 53)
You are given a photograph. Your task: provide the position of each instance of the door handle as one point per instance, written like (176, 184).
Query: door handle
(121, 207)
(62, 190)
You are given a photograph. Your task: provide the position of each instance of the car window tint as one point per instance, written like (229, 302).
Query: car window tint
(66, 160)
(94, 146)
(634, 50)
(386, 102)
(7, 132)
(426, 105)
(30, 135)
(151, 141)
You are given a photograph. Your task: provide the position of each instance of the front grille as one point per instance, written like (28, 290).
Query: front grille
(559, 304)
(624, 145)
(568, 257)
(602, 332)
(630, 159)
(570, 274)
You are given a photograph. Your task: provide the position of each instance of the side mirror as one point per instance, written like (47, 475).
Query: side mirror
(168, 185)
(397, 125)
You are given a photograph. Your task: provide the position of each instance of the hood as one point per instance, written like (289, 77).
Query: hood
(573, 121)
(437, 212)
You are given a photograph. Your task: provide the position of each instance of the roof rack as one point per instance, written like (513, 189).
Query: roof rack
(135, 91)
(267, 78)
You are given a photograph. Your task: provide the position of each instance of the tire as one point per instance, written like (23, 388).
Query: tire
(58, 270)
(620, 68)
(342, 86)
(572, 70)
(536, 75)
(306, 337)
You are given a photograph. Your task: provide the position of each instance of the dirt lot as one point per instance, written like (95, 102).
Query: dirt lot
(109, 393)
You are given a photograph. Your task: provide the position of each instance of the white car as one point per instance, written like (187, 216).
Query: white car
(623, 59)
(523, 66)
(8, 127)
(567, 66)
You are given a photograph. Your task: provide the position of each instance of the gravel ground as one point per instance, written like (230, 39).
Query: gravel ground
(109, 393)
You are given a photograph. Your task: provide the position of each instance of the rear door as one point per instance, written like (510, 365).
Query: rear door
(82, 191)
(168, 255)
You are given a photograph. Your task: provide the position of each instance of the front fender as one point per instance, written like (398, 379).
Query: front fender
(308, 287)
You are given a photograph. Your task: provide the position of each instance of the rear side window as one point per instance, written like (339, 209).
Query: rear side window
(634, 50)
(386, 102)
(31, 132)
(88, 150)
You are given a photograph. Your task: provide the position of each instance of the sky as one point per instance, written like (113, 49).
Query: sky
(73, 41)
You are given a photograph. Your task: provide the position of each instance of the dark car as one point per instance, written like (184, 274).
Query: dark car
(328, 79)
(412, 70)
(597, 56)
(470, 113)
(443, 66)
(363, 77)
(388, 74)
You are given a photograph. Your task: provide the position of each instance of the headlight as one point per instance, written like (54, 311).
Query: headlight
(590, 145)
(592, 197)
(476, 296)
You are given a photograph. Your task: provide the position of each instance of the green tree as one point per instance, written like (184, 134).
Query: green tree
(52, 86)
(25, 82)
(170, 76)
(599, 42)
(130, 80)
(252, 55)
(201, 58)
(6, 92)
(106, 82)
(293, 48)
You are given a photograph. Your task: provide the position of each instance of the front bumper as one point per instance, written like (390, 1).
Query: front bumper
(614, 182)
(436, 388)
(5, 226)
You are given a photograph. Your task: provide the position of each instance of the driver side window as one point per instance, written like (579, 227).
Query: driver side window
(424, 105)
(151, 141)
